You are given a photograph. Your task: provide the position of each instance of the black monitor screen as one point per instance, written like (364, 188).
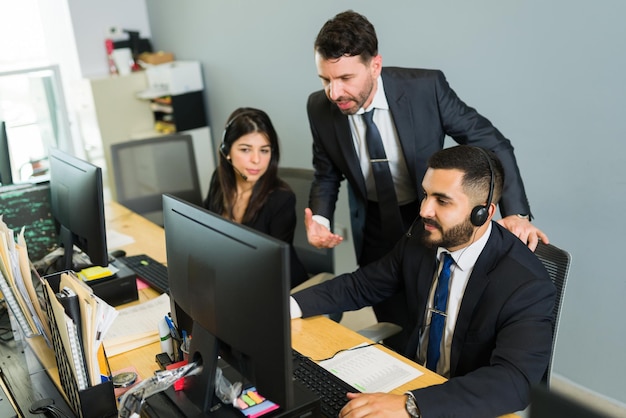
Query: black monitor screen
(77, 206)
(229, 287)
(6, 176)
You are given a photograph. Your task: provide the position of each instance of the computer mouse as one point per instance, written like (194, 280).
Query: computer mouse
(118, 253)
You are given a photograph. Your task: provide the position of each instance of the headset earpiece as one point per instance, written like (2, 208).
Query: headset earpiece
(223, 149)
(480, 213)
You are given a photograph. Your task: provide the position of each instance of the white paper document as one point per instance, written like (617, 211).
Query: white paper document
(136, 325)
(370, 369)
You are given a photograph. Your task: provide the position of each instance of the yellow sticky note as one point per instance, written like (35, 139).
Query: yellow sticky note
(95, 272)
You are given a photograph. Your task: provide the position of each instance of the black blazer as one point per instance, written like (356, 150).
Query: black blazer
(503, 336)
(276, 218)
(424, 109)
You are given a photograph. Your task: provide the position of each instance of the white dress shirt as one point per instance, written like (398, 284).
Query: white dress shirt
(460, 271)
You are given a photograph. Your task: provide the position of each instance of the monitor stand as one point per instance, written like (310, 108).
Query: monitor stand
(175, 404)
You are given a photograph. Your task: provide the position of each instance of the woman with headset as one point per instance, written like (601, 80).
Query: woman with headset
(245, 187)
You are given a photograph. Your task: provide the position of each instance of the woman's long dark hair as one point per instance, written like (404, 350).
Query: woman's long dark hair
(243, 121)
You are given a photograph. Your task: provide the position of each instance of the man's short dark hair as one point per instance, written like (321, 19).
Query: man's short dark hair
(472, 161)
(347, 34)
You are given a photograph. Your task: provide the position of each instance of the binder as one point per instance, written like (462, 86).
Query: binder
(68, 299)
(14, 306)
(97, 401)
(78, 359)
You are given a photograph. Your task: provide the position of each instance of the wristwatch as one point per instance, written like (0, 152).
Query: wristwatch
(411, 406)
(523, 216)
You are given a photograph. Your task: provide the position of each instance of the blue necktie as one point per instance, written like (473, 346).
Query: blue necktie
(391, 220)
(438, 315)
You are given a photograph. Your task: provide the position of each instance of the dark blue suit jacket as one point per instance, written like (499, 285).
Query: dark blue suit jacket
(503, 336)
(424, 109)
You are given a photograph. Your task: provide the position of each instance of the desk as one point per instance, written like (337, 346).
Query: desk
(317, 337)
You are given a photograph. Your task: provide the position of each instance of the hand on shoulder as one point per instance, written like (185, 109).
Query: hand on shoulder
(524, 230)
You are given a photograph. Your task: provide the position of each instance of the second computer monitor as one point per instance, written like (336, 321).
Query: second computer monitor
(77, 206)
(229, 287)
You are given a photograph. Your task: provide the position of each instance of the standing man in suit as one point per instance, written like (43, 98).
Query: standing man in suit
(413, 109)
(496, 309)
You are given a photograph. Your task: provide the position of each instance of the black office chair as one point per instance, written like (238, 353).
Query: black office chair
(144, 169)
(315, 260)
(557, 262)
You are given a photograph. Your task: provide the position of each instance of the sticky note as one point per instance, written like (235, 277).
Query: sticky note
(95, 272)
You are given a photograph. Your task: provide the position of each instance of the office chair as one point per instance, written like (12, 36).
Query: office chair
(557, 262)
(315, 260)
(319, 262)
(144, 169)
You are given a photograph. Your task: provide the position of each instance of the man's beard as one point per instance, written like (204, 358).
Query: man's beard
(359, 100)
(455, 236)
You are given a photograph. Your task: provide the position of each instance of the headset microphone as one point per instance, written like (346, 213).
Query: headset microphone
(243, 176)
(409, 233)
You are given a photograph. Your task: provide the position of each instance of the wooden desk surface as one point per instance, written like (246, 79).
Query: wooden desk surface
(317, 337)
(149, 237)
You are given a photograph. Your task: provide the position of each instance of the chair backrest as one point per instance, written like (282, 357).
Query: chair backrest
(315, 260)
(557, 262)
(144, 169)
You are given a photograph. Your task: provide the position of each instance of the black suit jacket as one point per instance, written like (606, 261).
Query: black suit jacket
(424, 109)
(503, 336)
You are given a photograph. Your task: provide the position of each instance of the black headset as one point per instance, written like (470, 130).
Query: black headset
(230, 122)
(480, 213)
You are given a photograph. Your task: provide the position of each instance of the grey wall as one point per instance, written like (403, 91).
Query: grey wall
(548, 74)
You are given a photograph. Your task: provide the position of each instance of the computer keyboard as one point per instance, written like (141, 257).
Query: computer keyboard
(149, 270)
(330, 389)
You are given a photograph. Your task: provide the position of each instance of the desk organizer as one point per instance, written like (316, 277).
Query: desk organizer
(95, 401)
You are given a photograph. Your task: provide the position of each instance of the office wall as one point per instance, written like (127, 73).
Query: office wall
(548, 74)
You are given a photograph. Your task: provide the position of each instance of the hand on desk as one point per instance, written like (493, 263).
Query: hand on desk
(374, 405)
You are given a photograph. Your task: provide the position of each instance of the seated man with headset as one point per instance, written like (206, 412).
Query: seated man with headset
(480, 302)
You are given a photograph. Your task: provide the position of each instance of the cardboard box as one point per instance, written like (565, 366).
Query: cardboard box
(174, 78)
(155, 58)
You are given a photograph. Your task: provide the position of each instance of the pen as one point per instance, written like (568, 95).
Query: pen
(176, 342)
(173, 330)
(169, 322)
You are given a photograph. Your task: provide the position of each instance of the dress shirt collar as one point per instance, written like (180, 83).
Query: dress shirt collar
(465, 258)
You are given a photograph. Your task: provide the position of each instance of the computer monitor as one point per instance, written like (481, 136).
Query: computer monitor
(77, 207)
(6, 176)
(229, 288)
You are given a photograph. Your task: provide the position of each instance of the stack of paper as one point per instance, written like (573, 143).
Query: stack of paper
(96, 318)
(81, 317)
(137, 325)
(16, 283)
